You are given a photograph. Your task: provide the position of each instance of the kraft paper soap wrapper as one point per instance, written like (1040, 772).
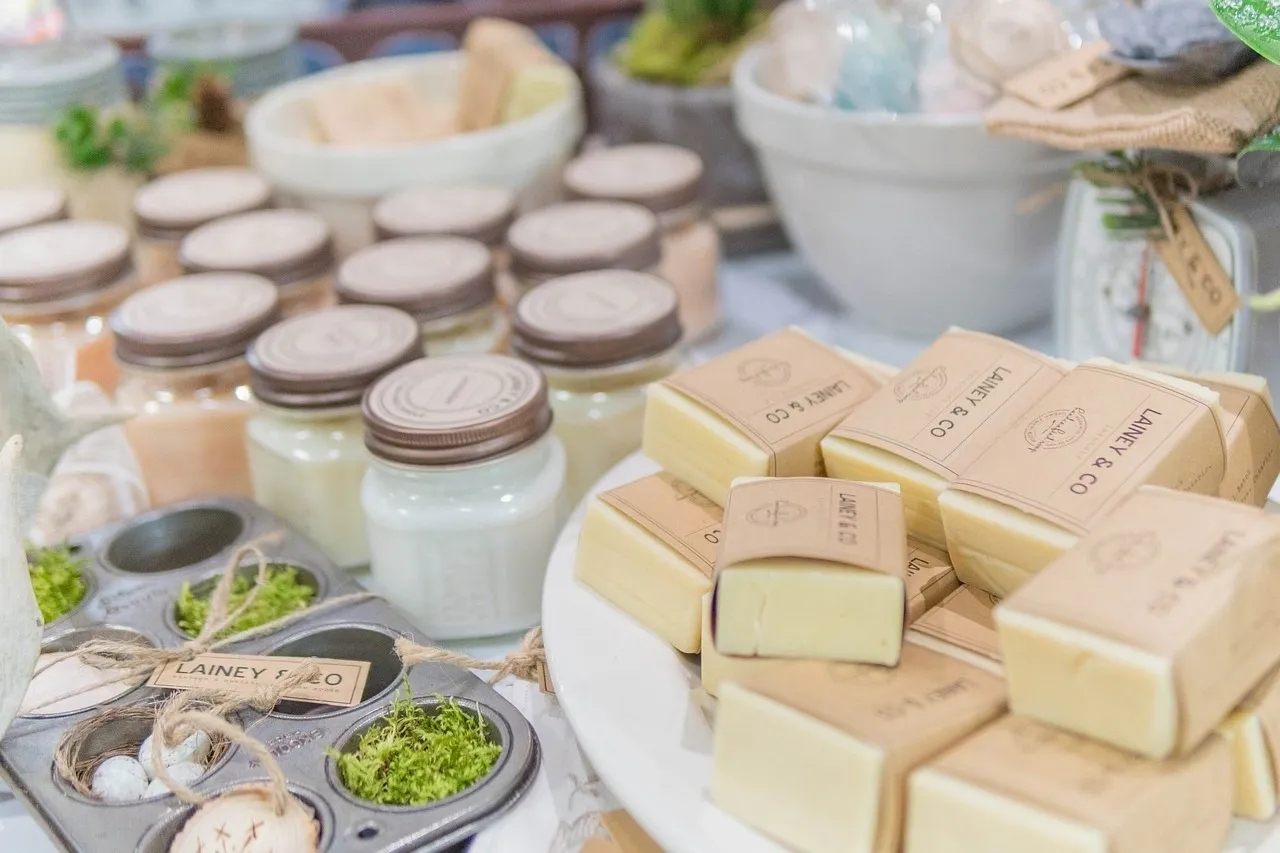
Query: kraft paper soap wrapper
(817, 754)
(650, 548)
(964, 626)
(1252, 433)
(758, 411)
(496, 51)
(383, 113)
(1253, 734)
(812, 568)
(1098, 435)
(1153, 628)
(1020, 785)
(930, 580)
(922, 428)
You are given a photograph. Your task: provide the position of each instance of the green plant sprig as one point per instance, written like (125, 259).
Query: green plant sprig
(1134, 212)
(57, 580)
(282, 593)
(413, 756)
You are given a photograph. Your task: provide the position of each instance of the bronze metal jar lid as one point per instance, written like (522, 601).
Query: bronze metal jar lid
(477, 211)
(32, 204)
(580, 236)
(61, 260)
(285, 245)
(171, 206)
(659, 177)
(429, 277)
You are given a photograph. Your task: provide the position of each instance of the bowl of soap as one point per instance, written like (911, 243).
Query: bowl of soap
(501, 111)
(915, 220)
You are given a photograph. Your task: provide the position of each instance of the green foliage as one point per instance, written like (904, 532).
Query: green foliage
(282, 593)
(1135, 211)
(687, 46)
(57, 580)
(1254, 22)
(414, 756)
(732, 15)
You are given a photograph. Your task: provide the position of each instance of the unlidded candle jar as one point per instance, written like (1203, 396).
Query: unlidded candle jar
(293, 248)
(31, 204)
(181, 346)
(169, 208)
(463, 494)
(58, 283)
(580, 236)
(668, 181)
(306, 441)
(446, 283)
(600, 338)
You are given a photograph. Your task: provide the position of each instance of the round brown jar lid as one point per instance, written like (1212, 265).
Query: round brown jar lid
(194, 320)
(171, 206)
(429, 277)
(595, 319)
(285, 245)
(578, 236)
(660, 177)
(456, 409)
(60, 260)
(21, 207)
(328, 358)
(477, 211)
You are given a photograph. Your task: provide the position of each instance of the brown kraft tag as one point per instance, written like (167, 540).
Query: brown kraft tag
(1199, 274)
(339, 682)
(785, 391)
(1067, 78)
(686, 520)
(813, 517)
(1098, 435)
(960, 395)
(1253, 444)
(966, 619)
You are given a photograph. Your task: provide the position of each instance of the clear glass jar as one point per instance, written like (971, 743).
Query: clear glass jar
(691, 262)
(461, 544)
(188, 430)
(483, 330)
(70, 340)
(306, 444)
(307, 466)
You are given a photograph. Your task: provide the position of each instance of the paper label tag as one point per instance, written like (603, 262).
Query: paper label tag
(966, 619)
(340, 682)
(1253, 444)
(1198, 272)
(926, 694)
(784, 391)
(1096, 436)
(1067, 78)
(949, 404)
(686, 520)
(851, 523)
(626, 834)
(930, 578)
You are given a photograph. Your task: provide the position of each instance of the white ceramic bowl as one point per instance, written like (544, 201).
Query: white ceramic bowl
(918, 222)
(342, 183)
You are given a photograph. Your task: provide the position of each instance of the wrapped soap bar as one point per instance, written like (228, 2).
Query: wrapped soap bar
(1101, 432)
(936, 416)
(963, 626)
(930, 580)
(1021, 786)
(498, 52)
(758, 411)
(1152, 629)
(1252, 433)
(650, 548)
(812, 568)
(1253, 734)
(816, 755)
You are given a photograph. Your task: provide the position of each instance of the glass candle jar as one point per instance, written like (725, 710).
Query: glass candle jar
(580, 236)
(463, 494)
(600, 338)
(306, 442)
(58, 283)
(479, 212)
(31, 204)
(446, 283)
(180, 345)
(293, 248)
(169, 208)
(668, 181)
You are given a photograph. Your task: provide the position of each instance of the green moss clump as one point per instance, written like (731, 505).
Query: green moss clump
(282, 593)
(57, 580)
(413, 756)
(690, 42)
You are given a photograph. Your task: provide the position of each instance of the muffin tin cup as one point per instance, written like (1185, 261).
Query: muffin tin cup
(128, 589)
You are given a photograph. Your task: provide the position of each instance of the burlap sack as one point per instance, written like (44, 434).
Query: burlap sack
(1141, 112)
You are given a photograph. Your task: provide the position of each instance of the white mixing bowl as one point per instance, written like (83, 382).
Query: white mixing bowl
(918, 222)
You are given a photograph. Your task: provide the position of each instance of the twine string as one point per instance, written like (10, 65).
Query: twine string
(527, 663)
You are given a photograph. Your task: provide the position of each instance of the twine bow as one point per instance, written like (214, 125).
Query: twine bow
(527, 663)
(136, 662)
(1157, 186)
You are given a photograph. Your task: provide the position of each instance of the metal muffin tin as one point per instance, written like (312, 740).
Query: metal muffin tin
(134, 573)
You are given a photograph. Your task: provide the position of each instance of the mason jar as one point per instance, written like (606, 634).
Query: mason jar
(31, 204)
(306, 439)
(181, 345)
(463, 493)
